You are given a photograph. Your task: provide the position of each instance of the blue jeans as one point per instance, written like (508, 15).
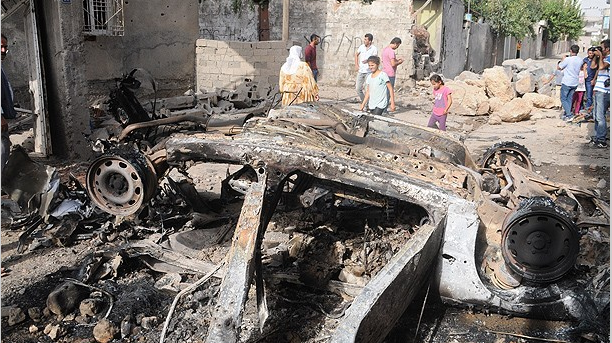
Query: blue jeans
(315, 74)
(589, 93)
(567, 93)
(602, 102)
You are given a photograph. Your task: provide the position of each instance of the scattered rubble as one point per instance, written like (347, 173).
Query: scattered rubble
(507, 93)
(324, 210)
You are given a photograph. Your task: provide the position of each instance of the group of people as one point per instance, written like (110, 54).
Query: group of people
(588, 76)
(374, 84)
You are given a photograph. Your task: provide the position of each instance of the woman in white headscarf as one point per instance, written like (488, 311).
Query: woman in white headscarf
(296, 82)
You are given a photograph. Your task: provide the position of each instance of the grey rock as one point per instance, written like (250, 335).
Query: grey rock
(16, 316)
(35, 313)
(169, 283)
(602, 184)
(126, 325)
(91, 306)
(56, 332)
(149, 322)
(273, 239)
(82, 319)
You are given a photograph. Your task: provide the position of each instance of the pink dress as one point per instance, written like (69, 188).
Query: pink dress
(440, 102)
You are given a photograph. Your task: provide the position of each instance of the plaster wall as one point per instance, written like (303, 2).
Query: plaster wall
(66, 85)
(220, 20)
(342, 26)
(159, 38)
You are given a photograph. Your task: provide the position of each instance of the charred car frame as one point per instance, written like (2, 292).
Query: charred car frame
(499, 236)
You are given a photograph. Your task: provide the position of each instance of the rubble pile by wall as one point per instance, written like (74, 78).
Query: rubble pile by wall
(507, 93)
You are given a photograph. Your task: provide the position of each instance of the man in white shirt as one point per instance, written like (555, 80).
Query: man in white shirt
(571, 67)
(361, 63)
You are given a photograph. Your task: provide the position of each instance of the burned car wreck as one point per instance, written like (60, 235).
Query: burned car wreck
(495, 235)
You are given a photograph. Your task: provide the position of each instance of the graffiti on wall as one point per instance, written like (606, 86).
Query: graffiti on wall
(228, 34)
(346, 45)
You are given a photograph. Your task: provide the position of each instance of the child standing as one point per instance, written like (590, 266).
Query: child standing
(578, 94)
(557, 76)
(379, 92)
(442, 102)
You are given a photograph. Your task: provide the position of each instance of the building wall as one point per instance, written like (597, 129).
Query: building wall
(226, 65)
(65, 83)
(342, 26)
(219, 20)
(159, 37)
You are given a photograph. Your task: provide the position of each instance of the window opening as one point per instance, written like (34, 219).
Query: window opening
(103, 17)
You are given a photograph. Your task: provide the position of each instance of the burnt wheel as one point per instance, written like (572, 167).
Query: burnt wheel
(120, 185)
(500, 153)
(539, 241)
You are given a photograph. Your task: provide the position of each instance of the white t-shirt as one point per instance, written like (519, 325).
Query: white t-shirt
(364, 53)
(571, 67)
(602, 76)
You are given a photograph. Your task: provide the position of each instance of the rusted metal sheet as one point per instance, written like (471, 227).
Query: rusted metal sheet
(380, 304)
(241, 264)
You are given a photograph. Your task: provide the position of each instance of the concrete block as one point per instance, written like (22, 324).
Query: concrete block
(277, 45)
(270, 59)
(208, 51)
(202, 42)
(260, 65)
(262, 45)
(246, 67)
(260, 52)
(247, 53)
(208, 84)
(222, 65)
(237, 45)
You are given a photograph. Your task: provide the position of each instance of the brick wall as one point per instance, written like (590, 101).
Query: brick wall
(221, 64)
